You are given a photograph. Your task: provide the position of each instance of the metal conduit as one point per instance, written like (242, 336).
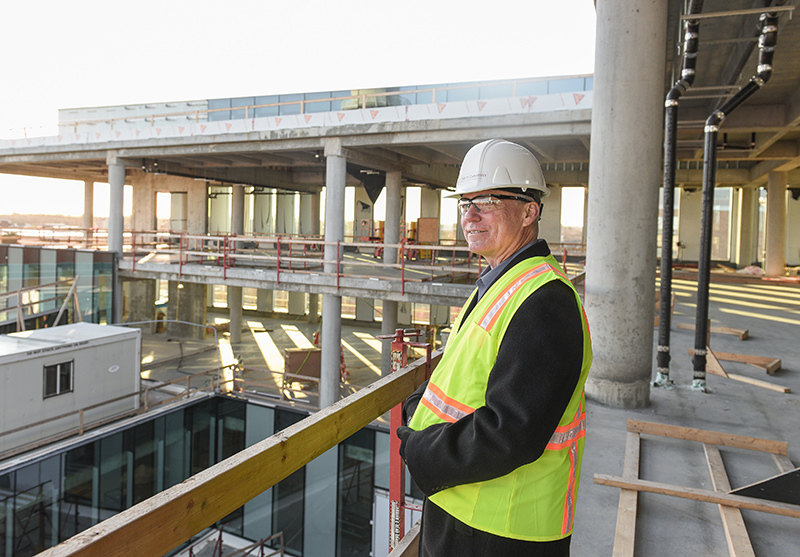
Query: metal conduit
(670, 127)
(766, 45)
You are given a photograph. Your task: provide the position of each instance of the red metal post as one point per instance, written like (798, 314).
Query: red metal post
(397, 468)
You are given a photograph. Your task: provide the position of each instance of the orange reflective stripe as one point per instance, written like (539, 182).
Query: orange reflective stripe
(569, 501)
(493, 313)
(566, 437)
(446, 408)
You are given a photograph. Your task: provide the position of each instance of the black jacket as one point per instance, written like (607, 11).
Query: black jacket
(537, 369)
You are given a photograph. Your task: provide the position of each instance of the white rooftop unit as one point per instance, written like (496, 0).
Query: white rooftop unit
(51, 375)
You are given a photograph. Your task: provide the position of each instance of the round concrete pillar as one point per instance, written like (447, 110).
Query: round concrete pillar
(624, 179)
(331, 303)
(391, 226)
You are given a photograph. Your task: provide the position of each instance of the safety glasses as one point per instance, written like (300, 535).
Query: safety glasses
(487, 203)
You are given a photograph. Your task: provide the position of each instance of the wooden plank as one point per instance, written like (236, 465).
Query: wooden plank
(628, 500)
(770, 365)
(711, 437)
(409, 545)
(759, 383)
(713, 366)
(735, 531)
(783, 462)
(741, 333)
(705, 495)
(159, 524)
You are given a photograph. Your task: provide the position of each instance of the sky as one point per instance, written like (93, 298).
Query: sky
(99, 53)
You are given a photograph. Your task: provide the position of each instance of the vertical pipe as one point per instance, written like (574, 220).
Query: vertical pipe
(670, 127)
(766, 43)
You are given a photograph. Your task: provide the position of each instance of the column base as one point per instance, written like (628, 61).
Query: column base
(619, 395)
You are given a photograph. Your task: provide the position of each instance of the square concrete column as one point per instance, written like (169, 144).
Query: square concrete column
(187, 304)
(627, 114)
(775, 239)
(235, 292)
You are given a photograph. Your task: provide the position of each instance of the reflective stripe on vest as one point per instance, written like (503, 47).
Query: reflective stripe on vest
(566, 437)
(448, 409)
(490, 317)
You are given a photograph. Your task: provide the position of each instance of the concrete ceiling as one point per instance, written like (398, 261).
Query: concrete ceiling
(763, 135)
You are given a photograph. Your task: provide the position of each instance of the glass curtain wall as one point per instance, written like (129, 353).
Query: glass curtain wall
(325, 508)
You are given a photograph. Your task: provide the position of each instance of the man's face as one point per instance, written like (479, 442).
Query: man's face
(497, 233)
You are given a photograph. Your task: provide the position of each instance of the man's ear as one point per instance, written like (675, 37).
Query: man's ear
(533, 212)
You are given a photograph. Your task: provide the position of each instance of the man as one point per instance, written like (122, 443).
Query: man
(495, 438)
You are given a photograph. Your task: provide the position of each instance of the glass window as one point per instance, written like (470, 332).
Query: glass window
(58, 379)
(496, 91)
(288, 495)
(264, 111)
(721, 230)
(214, 105)
(313, 104)
(356, 486)
(79, 489)
(294, 107)
(242, 113)
(566, 85)
(531, 88)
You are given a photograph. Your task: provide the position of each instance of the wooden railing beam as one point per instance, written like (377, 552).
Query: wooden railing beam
(161, 523)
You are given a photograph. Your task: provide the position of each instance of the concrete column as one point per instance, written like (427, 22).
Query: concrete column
(88, 210)
(623, 198)
(262, 212)
(264, 301)
(262, 224)
(310, 225)
(198, 207)
(388, 327)
(391, 226)
(550, 225)
(116, 225)
(391, 235)
(284, 214)
(142, 300)
(336, 173)
(235, 292)
(116, 181)
(746, 247)
(775, 239)
(187, 303)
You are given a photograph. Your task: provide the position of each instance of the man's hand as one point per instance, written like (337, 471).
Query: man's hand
(403, 433)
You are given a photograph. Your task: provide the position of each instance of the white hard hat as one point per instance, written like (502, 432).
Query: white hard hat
(499, 164)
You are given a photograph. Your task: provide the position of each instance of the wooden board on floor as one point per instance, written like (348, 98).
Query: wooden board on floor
(735, 531)
(737, 537)
(741, 333)
(715, 368)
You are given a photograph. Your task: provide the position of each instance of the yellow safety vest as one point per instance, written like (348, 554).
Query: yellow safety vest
(536, 501)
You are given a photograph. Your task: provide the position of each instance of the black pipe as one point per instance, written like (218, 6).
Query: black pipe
(670, 126)
(766, 44)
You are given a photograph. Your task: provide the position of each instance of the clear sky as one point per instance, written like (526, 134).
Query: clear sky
(99, 53)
